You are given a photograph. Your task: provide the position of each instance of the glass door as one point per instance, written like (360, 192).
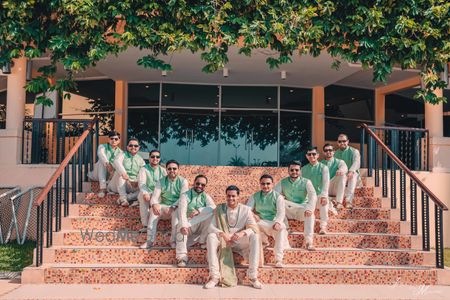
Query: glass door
(190, 136)
(249, 138)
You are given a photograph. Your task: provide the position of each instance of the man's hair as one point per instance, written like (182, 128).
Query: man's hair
(295, 163)
(113, 133)
(233, 188)
(172, 161)
(266, 176)
(133, 139)
(346, 136)
(311, 148)
(201, 176)
(153, 151)
(327, 145)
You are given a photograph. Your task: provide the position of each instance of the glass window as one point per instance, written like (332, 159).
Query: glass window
(249, 97)
(143, 125)
(403, 110)
(143, 94)
(190, 95)
(447, 111)
(295, 98)
(348, 102)
(447, 126)
(3, 102)
(295, 136)
(335, 127)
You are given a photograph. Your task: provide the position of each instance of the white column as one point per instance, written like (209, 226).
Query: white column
(434, 117)
(15, 99)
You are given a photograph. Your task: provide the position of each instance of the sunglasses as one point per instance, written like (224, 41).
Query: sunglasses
(342, 141)
(155, 156)
(200, 184)
(133, 145)
(328, 150)
(311, 154)
(114, 139)
(294, 170)
(172, 169)
(266, 183)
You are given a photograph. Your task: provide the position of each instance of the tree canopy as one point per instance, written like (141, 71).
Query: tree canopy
(380, 34)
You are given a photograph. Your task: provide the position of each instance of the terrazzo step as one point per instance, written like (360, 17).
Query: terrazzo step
(334, 225)
(112, 210)
(166, 255)
(296, 240)
(198, 274)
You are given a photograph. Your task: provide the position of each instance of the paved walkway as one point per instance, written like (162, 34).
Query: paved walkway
(180, 291)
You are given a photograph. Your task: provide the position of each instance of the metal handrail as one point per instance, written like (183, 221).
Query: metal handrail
(399, 128)
(391, 154)
(41, 197)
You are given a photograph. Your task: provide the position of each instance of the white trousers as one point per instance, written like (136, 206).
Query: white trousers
(297, 212)
(100, 174)
(323, 209)
(144, 207)
(198, 231)
(247, 246)
(337, 187)
(153, 220)
(280, 237)
(351, 186)
(123, 187)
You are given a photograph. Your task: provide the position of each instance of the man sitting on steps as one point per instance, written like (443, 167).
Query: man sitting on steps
(301, 199)
(125, 179)
(338, 170)
(233, 228)
(164, 202)
(195, 211)
(149, 175)
(103, 168)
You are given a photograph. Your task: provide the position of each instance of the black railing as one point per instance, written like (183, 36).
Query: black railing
(54, 200)
(47, 141)
(390, 161)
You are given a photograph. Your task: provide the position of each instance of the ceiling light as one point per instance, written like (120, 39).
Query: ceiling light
(283, 75)
(291, 91)
(328, 104)
(225, 72)
(147, 86)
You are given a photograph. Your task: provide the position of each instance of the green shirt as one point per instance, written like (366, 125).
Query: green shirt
(111, 154)
(170, 190)
(194, 201)
(346, 155)
(155, 174)
(314, 173)
(294, 191)
(132, 164)
(266, 205)
(333, 165)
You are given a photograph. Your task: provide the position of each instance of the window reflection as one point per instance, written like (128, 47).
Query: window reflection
(143, 94)
(190, 95)
(403, 110)
(295, 136)
(143, 125)
(249, 97)
(295, 98)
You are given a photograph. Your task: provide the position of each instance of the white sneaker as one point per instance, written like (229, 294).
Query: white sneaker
(211, 284)
(339, 206)
(256, 284)
(348, 205)
(146, 245)
(181, 263)
(279, 264)
(333, 210)
(123, 201)
(101, 194)
(143, 229)
(134, 203)
(310, 247)
(173, 245)
(323, 230)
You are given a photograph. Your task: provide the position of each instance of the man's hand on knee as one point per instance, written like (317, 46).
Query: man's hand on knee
(308, 213)
(323, 201)
(184, 230)
(146, 197)
(276, 226)
(156, 209)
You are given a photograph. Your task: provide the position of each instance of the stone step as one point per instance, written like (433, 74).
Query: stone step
(296, 239)
(166, 255)
(358, 202)
(112, 210)
(198, 274)
(334, 225)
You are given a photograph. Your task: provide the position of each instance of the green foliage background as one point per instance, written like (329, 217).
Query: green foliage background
(379, 34)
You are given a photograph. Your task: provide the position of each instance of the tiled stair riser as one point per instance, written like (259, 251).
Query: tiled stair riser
(266, 275)
(198, 256)
(295, 240)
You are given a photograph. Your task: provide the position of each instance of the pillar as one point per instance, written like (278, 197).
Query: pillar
(318, 117)
(434, 117)
(121, 110)
(15, 98)
(380, 108)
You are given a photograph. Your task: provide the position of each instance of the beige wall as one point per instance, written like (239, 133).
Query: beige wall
(25, 175)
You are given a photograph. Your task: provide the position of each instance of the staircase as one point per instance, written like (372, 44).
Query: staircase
(98, 243)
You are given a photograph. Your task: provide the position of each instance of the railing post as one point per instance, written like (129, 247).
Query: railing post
(39, 234)
(377, 168)
(74, 180)
(66, 191)
(402, 195)
(439, 237)
(370, 156)
(394, 141)
(417, 150)
(58, 206)
(361, 147)
(425, 223)
(80, 168)
(384, 185)
(413, 196)
(49, 218)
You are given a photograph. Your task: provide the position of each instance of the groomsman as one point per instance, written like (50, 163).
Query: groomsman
(352, 159)
(301, 199)
(233, 228)
(103, 168)
(320, 178)
(149, 175)
(164, 202)
(338, 170)
(125, 179)
(269, 209)
(195, 211)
